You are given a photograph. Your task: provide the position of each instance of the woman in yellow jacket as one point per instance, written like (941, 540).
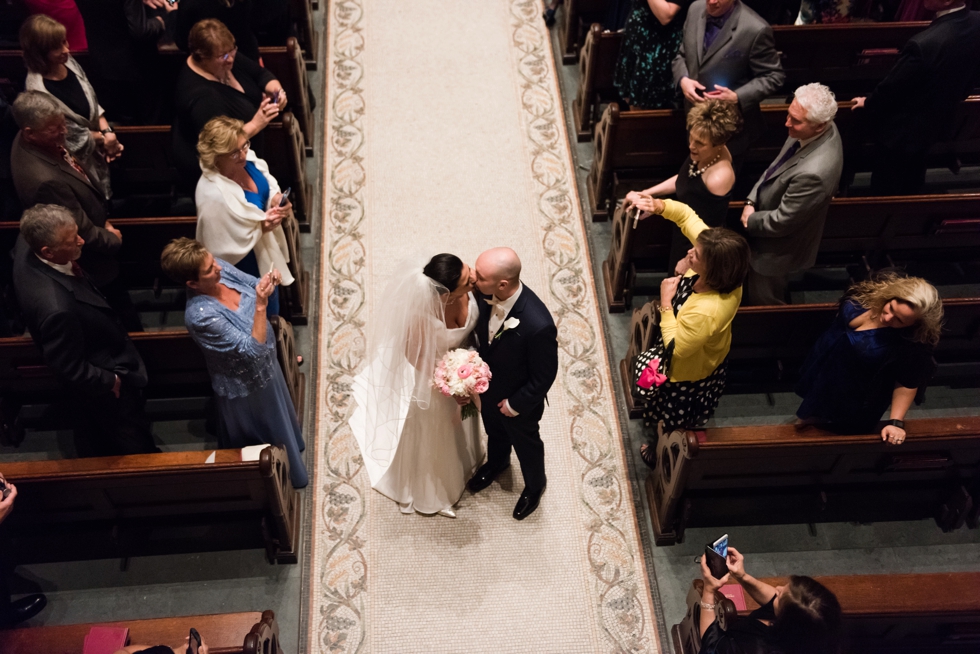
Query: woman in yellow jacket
(696, 311)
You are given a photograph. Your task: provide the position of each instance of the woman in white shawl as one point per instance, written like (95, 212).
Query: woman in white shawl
(52, 70)
(239, 217)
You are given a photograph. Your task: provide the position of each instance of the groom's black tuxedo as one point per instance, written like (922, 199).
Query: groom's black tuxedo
(524, 364)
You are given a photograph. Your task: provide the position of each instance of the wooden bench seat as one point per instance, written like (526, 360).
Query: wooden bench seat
(633, 147)
(148, 504)
(872, 231)
(850, 58)
(225, 633)
(776, 474)
(770, 344)
(882, 614)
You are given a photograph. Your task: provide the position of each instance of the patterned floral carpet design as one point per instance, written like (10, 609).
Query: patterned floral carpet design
(445, 133)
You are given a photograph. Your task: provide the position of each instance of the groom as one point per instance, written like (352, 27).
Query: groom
(518, 340)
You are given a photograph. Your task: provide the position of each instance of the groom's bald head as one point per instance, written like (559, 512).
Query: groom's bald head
(498, 272)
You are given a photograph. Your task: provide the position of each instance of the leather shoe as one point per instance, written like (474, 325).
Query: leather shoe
(527, 503)
(24, 609)
(484, 477)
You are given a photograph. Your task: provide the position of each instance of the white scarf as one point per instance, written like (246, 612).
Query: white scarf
(230, 226)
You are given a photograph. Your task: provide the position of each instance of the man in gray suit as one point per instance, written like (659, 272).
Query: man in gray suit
(727, 53)
(786, 209)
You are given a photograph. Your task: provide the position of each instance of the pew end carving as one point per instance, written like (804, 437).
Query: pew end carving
(264, 636)
(665, 484)
(644, 326)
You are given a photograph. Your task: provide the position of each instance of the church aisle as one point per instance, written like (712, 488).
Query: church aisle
(444, 133)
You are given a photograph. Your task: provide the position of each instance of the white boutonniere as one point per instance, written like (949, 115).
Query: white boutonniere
(510, 323)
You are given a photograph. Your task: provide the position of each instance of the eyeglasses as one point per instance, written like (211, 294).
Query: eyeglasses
(228, 55)
(241, 152)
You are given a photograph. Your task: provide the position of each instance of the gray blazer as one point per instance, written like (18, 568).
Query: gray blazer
(742, 57)
(791, 206)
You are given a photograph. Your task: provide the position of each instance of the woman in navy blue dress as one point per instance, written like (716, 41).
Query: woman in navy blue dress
(877, 353)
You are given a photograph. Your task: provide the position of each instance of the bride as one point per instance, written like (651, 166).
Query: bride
(417, 450)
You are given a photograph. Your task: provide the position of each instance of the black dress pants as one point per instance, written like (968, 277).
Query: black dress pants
(106, 426)
(521, 433)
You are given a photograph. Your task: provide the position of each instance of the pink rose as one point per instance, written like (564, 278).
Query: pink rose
(464, 371)
(481, 386)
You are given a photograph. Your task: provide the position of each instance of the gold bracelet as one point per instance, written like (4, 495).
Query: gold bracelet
(708, 607)
(664, 309)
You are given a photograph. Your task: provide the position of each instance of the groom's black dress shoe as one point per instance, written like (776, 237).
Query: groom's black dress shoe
(527, 503)
(484, 477)
(23, 609)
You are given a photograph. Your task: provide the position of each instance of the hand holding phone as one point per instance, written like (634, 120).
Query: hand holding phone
(194, 642)
(285, 197)
(275, 97)
(716, 556)
(4, 488)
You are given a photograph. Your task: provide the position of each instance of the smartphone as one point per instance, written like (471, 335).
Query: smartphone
(285, 197)
(275, 98)
(6, 491)
(194, 642)
(172, 2)
(721, 546)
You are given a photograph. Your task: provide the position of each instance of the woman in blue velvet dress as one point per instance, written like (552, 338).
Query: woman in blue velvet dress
(877, 353)
(226, 317)
(650, 43)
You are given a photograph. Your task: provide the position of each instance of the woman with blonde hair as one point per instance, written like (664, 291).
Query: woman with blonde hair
(706, 177)
(238, 204)
(877, 353)
(52, 70)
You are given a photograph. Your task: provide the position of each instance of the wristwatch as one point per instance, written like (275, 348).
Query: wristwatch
(749, 203)
(896, 423)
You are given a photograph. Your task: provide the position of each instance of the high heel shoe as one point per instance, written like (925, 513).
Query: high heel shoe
(447, 512)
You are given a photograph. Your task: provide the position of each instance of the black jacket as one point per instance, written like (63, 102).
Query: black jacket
(122, 38)
(522, 360)
(914, 105)
(80, 337)
(42, 179)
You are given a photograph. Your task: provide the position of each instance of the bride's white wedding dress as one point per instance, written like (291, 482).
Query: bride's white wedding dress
(418, 452)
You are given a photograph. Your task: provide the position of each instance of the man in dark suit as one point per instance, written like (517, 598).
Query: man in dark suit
(45, 172)
(519, 341)
(786, 210)
(80, 337)
(727, 53)
(915, 104)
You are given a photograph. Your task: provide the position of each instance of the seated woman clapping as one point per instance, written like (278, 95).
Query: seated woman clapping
(877, 353)
(683, 374)
(802, 617)
(226, 317)
(238, 204)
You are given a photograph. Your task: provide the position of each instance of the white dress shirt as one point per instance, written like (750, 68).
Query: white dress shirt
(498, 314)
(63, 268)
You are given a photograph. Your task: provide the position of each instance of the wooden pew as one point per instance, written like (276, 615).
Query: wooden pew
(148, 504)
(893, 613)
(850, 58)
(225, 633)
(145, 238)
(858, 230)
(778, 475)
(286, 63)
(301, 13)
(633, 147)
(769, 344)
(148, 168)
(575, 21)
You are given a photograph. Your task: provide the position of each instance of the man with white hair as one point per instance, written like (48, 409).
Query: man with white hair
(786, 209)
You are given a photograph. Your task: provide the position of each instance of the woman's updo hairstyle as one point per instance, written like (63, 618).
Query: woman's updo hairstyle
(808, 618)
(445, 269)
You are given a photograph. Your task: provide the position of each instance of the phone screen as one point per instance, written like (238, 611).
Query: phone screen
(285, 197)
(721, 546)
(193, 642)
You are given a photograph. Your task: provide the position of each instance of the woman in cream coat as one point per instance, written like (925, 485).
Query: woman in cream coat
(238, 214)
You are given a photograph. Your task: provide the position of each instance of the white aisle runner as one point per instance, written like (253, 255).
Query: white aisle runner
(445, 134)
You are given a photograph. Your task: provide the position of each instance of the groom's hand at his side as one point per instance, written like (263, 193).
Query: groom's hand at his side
(505, 409)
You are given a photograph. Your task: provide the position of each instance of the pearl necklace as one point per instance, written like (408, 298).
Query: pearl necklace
(694, 171)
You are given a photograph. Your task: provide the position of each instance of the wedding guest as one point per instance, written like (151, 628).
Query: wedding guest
(239, 217)
(217, 81)
(727, 53)
(13, 612)
(877, 353)
(51, 69)
(785, 212)
(802, 617)
(915, 105)
(651, 39)
(82, 340)
(706, 177)
(226, 316)
(237, 15)
(696, 312)
(65, 12)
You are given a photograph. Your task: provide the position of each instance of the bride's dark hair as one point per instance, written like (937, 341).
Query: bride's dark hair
(446, 269)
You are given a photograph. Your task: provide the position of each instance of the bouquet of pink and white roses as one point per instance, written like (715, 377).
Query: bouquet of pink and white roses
(462, 373)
